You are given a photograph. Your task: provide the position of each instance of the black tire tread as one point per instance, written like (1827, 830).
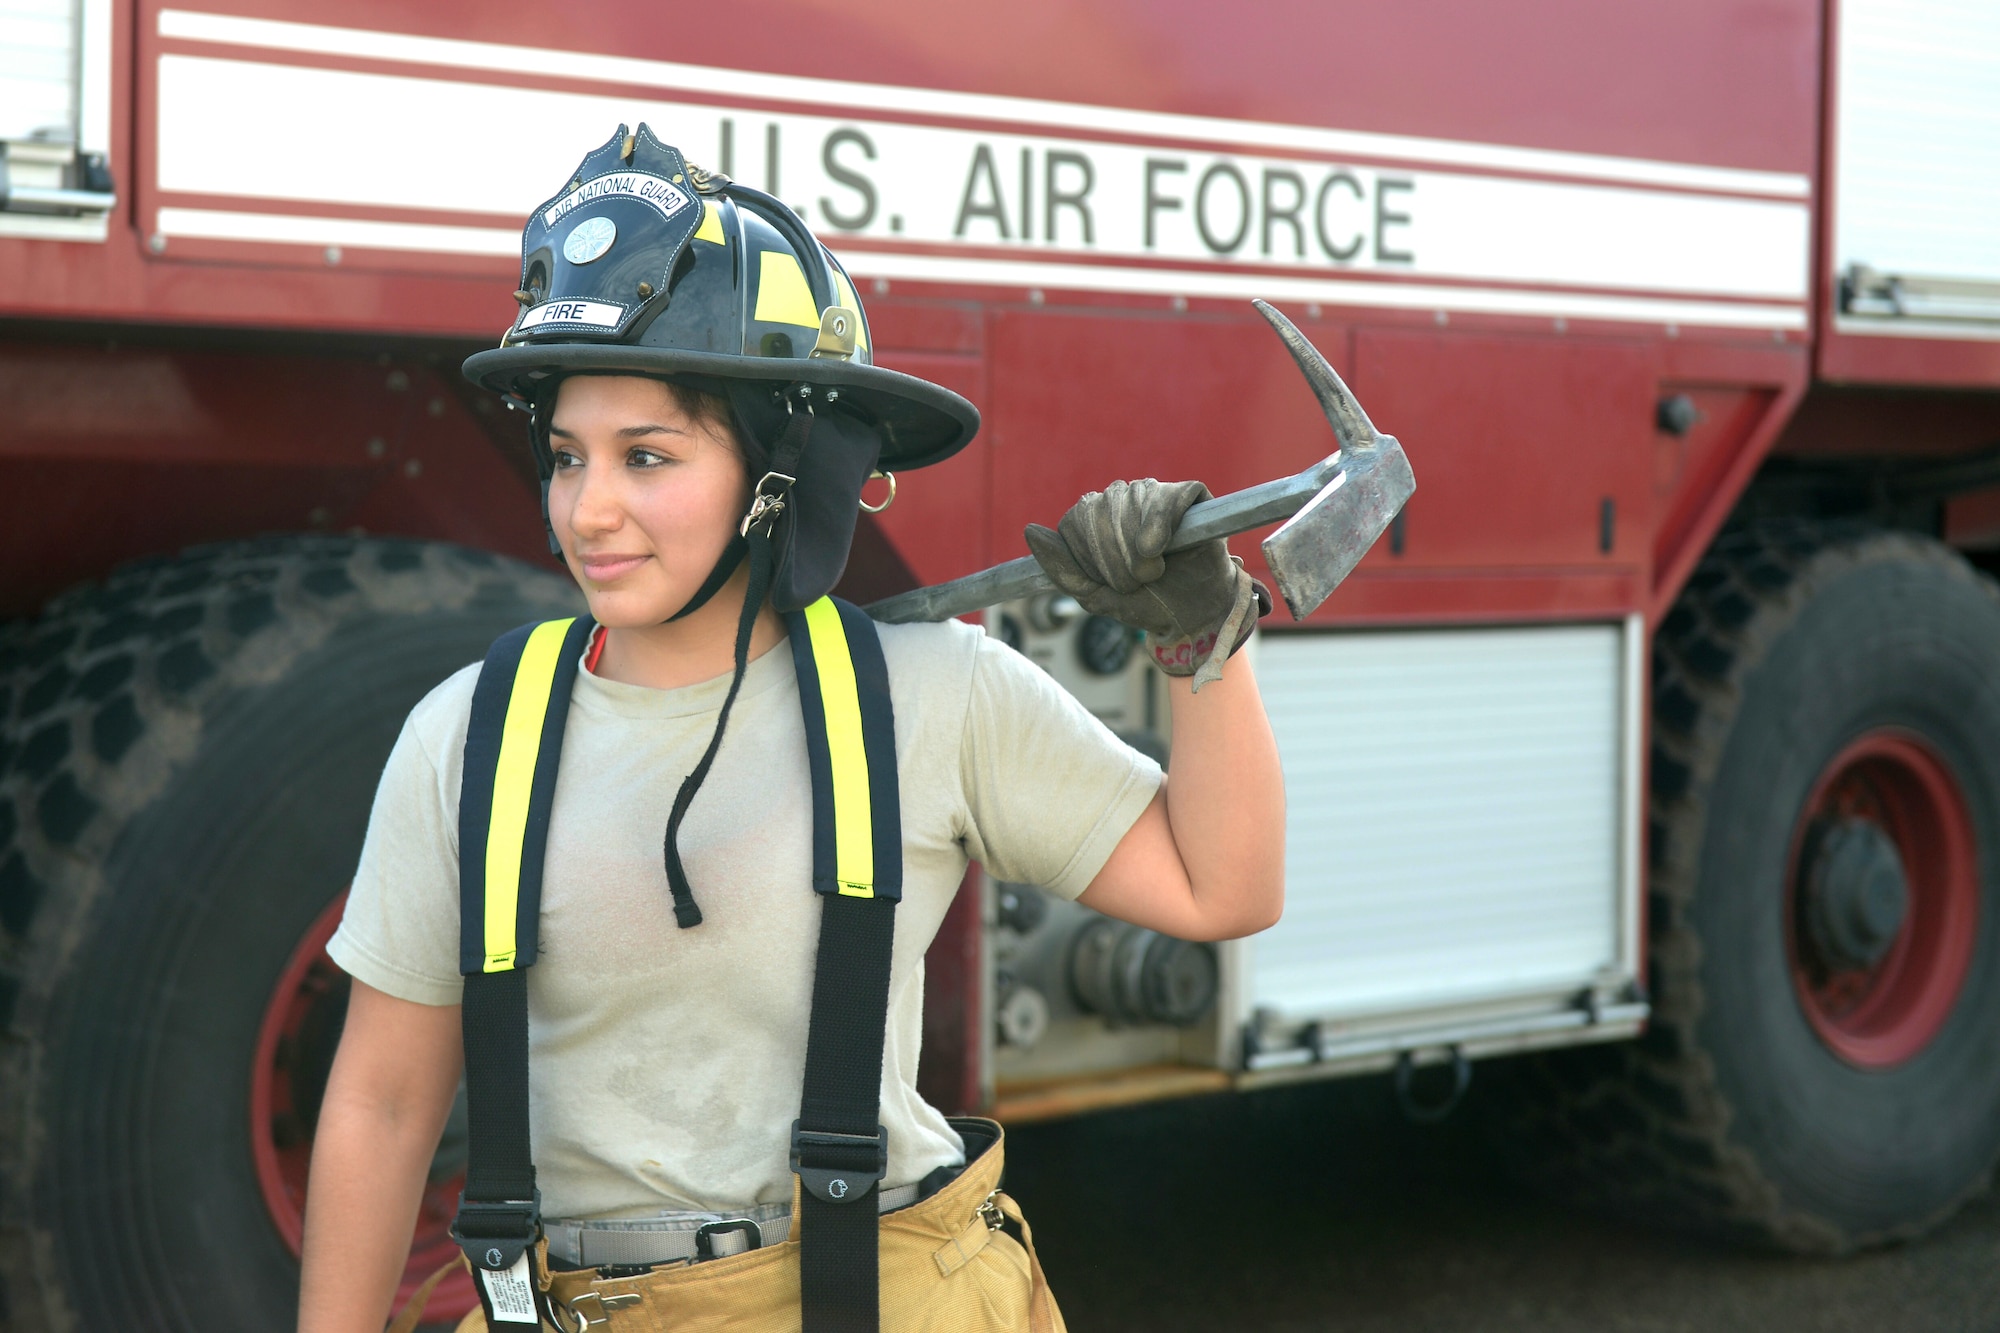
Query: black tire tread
(1641, 1128)
(103, 698)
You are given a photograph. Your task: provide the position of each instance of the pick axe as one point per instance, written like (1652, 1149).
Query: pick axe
(1333, 512)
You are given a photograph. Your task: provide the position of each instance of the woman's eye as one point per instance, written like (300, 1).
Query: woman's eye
(645, 458)
(566, 460)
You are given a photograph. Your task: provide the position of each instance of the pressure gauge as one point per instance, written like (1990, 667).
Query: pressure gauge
(1104, 646)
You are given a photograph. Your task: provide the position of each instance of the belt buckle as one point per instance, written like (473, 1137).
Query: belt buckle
(839, 1168)
(705, 1234)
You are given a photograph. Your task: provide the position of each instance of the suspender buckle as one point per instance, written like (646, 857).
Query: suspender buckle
(839, 1168)
(493, 1233)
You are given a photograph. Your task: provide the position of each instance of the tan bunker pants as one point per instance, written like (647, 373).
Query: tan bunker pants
(949, 1265)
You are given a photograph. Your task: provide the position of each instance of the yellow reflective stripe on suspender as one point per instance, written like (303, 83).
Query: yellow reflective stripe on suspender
(513, 779)
(853, 813)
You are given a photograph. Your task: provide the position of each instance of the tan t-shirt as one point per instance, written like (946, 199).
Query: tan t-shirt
(665, 1063)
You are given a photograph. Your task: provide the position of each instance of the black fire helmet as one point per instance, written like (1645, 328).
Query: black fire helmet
(644, 265)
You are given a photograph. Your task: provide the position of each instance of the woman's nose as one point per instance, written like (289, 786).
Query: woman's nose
(594, 506)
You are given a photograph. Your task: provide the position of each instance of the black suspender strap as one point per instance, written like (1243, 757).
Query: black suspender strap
(513, 743)
(839, 1148)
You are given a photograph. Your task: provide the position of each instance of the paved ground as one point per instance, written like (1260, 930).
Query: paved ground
(1318, 1208)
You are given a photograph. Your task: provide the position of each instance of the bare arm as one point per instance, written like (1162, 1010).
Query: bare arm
(1206, 861)
(386, 1101)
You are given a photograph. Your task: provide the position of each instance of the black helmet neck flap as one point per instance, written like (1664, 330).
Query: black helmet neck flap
(644, 265)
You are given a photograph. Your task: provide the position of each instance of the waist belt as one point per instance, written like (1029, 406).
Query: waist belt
(838, 1149)
(680, 1237)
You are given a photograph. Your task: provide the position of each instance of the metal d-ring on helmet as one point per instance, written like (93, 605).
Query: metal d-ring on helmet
(644, 265)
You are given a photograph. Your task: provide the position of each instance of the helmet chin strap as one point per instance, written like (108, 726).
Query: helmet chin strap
(686, 912)
(725, 565)
(753, 539)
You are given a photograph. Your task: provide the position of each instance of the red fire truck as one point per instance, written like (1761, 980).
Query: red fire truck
(1664, 725)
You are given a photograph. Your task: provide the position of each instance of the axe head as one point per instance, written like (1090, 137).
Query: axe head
(1371, 480)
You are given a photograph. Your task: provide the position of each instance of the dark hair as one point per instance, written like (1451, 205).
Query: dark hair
(706, 409)
(703, 407)
(710, 409)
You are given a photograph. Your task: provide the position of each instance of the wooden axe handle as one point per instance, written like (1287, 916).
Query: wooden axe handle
(1224, 516)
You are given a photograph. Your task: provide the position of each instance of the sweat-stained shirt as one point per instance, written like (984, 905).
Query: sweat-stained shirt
(666, 1064)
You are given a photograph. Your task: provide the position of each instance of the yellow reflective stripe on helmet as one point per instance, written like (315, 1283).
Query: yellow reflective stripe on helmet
(711, 225)
(853, 813)
(782, 294)
(520, 746)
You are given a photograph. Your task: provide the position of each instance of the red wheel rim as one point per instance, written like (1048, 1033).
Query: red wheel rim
(1886, 1013)
(281, 1141)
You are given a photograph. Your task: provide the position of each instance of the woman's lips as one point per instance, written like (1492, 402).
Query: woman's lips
(605, 568)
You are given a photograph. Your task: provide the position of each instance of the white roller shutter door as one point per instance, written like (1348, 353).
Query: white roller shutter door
(1461, 813)
(1917, 158)
(56, 177)
(38, 70)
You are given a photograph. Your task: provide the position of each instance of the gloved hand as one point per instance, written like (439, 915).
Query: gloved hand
(1107, 553)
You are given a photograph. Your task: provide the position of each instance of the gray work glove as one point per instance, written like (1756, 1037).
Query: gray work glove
(1107, 553)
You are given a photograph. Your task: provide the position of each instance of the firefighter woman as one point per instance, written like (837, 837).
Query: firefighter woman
(680, 858)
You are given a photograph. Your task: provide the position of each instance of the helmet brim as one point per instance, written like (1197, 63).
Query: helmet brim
(921, 423)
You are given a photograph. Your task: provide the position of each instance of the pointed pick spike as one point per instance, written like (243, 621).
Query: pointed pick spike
(1351, 426)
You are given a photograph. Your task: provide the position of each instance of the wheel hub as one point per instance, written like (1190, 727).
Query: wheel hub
(294, 1054)
(1857, 895)
(1883, 899)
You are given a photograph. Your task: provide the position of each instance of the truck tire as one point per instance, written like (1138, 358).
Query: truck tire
(188, 756)
(1819, 1073)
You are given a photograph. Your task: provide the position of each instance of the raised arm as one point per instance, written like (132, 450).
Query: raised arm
(1206, 859)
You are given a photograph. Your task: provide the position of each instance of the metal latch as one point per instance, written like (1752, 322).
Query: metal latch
(839, 328)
